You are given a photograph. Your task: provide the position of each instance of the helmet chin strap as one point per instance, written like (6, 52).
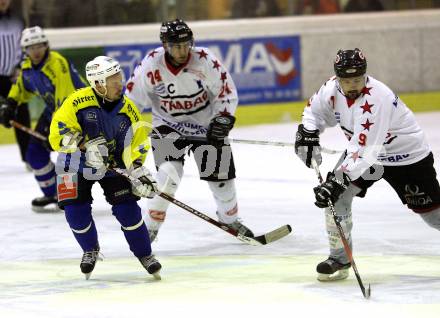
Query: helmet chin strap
(104, 95)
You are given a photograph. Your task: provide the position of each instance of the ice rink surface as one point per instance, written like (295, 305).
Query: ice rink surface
(208, 273)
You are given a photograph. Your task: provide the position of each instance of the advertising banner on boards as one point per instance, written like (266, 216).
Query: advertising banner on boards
(265, 69)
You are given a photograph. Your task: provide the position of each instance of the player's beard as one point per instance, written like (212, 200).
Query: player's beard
(353, 94)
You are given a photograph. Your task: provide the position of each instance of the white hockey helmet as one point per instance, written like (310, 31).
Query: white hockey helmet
(101, 67)
(31, 36)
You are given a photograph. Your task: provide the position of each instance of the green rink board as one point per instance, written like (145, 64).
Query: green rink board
(286, 112)
(80, 56)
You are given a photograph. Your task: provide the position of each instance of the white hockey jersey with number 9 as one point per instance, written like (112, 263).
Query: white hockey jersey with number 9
(186, 98)
(379, 126)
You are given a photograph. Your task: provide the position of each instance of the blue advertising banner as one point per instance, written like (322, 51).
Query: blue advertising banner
(265, 69)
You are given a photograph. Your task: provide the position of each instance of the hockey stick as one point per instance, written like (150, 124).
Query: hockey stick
(28, 130)
(258, 142)
(348, 251)
(264, 239)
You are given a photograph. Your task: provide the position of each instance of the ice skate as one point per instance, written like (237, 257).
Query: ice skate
(237, 226)
(45, 204)
(332, 270)
(240, 228)
(88, 261)
(152, 265)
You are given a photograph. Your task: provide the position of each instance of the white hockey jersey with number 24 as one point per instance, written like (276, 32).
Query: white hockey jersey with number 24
(187, 98)
(378, 125)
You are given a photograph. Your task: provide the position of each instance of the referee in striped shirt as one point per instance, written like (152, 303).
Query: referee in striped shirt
(10, 57)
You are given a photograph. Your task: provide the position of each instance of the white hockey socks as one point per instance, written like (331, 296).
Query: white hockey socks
(168, 179)
(226, 200)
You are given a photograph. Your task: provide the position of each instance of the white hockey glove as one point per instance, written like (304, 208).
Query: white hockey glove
(144, 185)
(96, 153)
(71, 141)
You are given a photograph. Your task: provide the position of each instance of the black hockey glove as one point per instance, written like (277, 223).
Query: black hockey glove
(307, 145)
(7, 112)
(331, 189)
(219, 129)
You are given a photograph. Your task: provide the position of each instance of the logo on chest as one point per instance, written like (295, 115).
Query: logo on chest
(92, 116)
(185, 103)
(159, 89)
(47, 84)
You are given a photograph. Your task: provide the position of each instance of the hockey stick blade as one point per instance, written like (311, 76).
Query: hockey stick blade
(367, 292)
(259, 240)
(267, 238)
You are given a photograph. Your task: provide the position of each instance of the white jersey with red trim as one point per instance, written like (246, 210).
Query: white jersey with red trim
(378, 125)
(186, 98)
